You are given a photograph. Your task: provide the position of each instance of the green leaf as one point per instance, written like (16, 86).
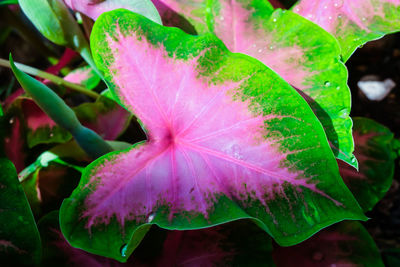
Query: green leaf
(343, 244)
(53, 20)
(19, 238)
(239, 243)
(228, 139)
(8, 2)
(376, 156)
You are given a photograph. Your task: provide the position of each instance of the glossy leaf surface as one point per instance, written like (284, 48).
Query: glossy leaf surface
(352, 22)
(57, 25)
(375, 154)
(94, 9)
(343, 244)
(227, 139)
(302, 53)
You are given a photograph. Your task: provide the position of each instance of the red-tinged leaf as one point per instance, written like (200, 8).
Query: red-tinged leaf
(234, 244)
(374, 151)
(105, 117)
(227, 139)
(48, 185)
(352, 22)
(94, 8)
(344, 244)
(85, 76)
(302, 53)
(14, 139)
(41, 129)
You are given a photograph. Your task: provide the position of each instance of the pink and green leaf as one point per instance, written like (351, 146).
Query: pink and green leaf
(352, 22)
(227, 139)
(85, 76)
(94, 8)
(343, 244)
(376, 157)
(302, 53)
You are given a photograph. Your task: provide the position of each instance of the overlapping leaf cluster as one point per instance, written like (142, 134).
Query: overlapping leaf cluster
(246, 114)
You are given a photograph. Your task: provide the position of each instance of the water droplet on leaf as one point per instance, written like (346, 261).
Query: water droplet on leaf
(124, 248)
(11, 121)
(327, 83)
(338, 3)
(150, 218)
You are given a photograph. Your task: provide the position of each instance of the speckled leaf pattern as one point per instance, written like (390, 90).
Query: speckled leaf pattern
(352, 22)
(302, 53)
(343, 244)
(375, 154)
(94, 8)
(227, 139)
(19, 238)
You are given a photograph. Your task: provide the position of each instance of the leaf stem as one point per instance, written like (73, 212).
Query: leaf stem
(45, 75)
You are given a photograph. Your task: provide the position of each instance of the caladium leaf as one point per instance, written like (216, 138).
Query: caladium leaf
(352, 22)
(227, 139)
(302, 53)
(94, 8)
(375, 153)
(19, 238)
(344, 244)
(85, 76)
(105, 117)
(235, 244)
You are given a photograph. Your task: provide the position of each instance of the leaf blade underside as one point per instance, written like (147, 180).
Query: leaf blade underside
(374, 150)
(227, 139)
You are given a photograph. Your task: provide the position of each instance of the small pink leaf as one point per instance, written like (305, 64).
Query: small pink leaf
(352, 22)
(227, 139)
(94, 8)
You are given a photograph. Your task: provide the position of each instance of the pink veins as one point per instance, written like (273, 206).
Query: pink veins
(201, 143)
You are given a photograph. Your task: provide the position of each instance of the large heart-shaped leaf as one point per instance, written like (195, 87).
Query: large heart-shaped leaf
(94, 8)
(375, 153)
(352, 22)
(344, 244)
(302, 53)
(227, 139)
